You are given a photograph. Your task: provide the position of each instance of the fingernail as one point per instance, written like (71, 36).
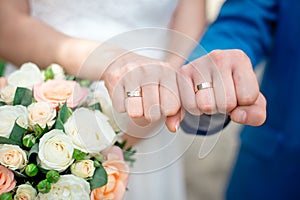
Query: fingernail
(241, 116)
(177, 125)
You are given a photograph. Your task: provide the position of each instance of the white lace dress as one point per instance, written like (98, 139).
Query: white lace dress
(157, 174)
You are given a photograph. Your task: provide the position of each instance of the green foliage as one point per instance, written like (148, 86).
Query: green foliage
(2, 67)
(4, 140)
(17, 134)
(96, 106)
(99, 178)
(6, 196)
(23, 96)
(33, 152)
(63, 115)
(128, 153)
(48, 73)
(79, 155)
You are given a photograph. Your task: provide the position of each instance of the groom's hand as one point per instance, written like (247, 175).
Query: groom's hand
(222, 81)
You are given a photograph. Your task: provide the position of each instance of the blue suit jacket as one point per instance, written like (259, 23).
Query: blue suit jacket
(263, 29)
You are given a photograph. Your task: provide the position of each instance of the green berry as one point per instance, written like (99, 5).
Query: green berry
(97, 163)
(52, 176)
(37, 130)
(31, 170)
(44, 186)
(49, 73)
(29, 140)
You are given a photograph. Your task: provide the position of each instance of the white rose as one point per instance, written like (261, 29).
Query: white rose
(25, 192)
(41, 113)
(12, 157)
(90, 130)
(83, 168)
(99, 94)
(68, 187)
(55, 151)
(7, 94)
(58, 71)
(27, 76)
(8, 116)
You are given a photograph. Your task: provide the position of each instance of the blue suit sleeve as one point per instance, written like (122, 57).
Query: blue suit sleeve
(242, 24)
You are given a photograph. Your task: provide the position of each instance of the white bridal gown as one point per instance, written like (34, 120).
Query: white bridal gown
(157, 173)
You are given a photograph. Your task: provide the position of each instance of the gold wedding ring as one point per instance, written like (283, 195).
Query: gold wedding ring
(203, 86)
(135, 93)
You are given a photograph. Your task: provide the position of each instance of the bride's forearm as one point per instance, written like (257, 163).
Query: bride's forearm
(24, 38)
(188, 22)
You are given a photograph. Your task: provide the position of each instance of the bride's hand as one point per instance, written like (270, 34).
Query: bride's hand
(143, 87)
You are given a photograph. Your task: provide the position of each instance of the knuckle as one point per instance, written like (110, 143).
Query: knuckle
(189, 106)
(227, 107)
(171, 110)
(135, 114)
(218, 58)
(242, 56)
(207, 108)
(247, 99)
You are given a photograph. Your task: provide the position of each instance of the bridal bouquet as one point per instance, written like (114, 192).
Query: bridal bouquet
(58, 139)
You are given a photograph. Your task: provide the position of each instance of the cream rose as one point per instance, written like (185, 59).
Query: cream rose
(7, 94)
(83, 168)
(117, 176)
(58, 71)
(55, 151)
(68, 187)
(12, 156)
(90, 130)
(7, 180)
(41, 113)
(25, 192)
(99, 94)
(56, 92)
(27, 76)
(9, 115)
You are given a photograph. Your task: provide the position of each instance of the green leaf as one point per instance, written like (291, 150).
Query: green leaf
(4, 140)
(96, 106)
(17, 134)
(2, 67)
(79, 155)
(19, 174)
(23, 96)
(33, 152)
(70, 77)
(63, 113)
(2, 103)
(99, 179)
(59, 125)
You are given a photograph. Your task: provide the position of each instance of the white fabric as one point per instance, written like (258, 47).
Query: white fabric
(101, 20)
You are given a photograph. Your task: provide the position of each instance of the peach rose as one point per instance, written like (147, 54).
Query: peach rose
(117, 172)
(56, 92)
(7, 180)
